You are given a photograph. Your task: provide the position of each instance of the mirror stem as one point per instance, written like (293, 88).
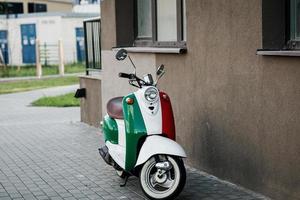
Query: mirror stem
(132, 64)
(159, 78)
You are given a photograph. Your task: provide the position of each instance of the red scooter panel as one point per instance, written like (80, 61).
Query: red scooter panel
(168, 124)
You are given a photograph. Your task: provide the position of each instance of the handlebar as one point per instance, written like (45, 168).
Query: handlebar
(133, 79)
(124, 75)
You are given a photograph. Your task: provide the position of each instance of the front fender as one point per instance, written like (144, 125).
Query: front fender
(155, 145)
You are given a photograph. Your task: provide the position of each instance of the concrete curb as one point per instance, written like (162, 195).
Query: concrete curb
(36, 78)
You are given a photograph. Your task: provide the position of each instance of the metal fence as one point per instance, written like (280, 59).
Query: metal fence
(49, 54)
(92, 38)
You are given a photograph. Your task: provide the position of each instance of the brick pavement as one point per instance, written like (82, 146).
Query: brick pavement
(45, 153)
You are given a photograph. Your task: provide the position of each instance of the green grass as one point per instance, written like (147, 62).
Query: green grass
(30, 70)
(65, 100)
(26, 85)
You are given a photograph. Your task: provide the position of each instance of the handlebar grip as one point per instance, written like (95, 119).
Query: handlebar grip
(124, 75)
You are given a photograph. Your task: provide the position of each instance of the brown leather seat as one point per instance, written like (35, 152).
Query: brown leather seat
(115, 108)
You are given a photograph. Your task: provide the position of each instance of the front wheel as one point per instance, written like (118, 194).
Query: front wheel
(160, 182)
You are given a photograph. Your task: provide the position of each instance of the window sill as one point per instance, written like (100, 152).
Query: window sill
(170, 50)
(292, 53)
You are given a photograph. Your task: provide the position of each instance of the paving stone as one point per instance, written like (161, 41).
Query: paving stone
(56, 198)
(70, 198)
(43, 197)
(65, 195)
(15, 195)
(47, 154)
(3, 194)
(5, 198)
(29, 197)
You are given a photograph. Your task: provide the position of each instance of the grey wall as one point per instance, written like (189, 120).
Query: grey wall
(237, 114)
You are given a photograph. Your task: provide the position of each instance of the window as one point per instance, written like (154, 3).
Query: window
(184, 20)
(77, 2)
(144, 19)
(295, 20)
(281, 24)
(11, 8)
(36, 7)
(166, 20)
(160, 23)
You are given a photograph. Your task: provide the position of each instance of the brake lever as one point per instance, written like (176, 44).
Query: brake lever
(131, 83)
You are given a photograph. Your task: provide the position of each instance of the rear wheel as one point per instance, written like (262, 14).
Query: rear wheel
(159, 183)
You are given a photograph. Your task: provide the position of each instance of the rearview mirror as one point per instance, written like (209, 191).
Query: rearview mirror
(121, 54)
(161, 70)
(159, 73)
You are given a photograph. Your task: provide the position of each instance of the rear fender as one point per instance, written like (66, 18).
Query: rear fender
(157, 145)
(110, 129)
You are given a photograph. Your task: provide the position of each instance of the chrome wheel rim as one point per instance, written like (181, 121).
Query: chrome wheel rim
(162, 183)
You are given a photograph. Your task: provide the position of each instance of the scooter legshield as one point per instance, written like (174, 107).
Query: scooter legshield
(135, 130)
(166, 147)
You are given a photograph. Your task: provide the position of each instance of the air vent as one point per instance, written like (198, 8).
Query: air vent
(151, 107)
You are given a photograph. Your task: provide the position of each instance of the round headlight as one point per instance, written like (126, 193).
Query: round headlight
(151, 94)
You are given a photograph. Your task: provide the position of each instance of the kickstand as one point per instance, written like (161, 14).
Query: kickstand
(125, 181)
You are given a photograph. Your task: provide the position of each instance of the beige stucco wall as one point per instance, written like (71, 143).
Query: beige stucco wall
(90, 106)
(237, 114)
(108, 25)
(52, 6)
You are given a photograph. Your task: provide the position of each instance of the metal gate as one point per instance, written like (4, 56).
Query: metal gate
(92, 38)
(80, 44)
(28, 36)
(4, 45)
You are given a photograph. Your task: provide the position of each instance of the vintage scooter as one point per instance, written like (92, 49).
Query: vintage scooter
(139, 133)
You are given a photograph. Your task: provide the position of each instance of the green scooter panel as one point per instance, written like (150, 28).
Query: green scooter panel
(110, 130)
(135, 130)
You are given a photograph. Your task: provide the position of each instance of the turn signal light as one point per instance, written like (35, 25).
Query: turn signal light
(165, 96)
(129, 101)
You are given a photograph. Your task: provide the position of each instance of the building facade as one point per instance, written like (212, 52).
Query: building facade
(233, 74)
(18, 38)
(29, 6)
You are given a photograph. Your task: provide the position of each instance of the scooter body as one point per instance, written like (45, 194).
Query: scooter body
(139, 129)
(126, 137)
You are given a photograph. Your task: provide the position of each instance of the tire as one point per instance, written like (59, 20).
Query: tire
(174, 177)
